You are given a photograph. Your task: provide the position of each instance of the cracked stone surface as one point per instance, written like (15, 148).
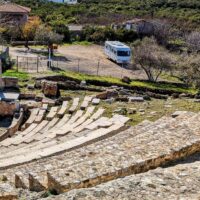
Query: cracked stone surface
(177, 182)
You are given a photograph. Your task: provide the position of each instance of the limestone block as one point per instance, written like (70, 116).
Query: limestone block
(50, 88)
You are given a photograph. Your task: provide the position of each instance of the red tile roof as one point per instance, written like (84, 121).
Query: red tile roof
(13, 8)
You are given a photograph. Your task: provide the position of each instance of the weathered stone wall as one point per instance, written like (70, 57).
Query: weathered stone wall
(10, 82)
(17, 121)
(7, 108)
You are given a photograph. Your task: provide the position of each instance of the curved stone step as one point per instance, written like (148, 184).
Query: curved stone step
(40, 116)
(74, 105)
(65, 146)
(31, 119)
(63, 109)
(177, 182)
(52, 113)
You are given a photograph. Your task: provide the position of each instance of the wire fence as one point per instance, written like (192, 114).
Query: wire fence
(96, 67)
(31, 64)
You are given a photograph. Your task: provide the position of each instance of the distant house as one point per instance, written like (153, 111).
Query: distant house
(14, 13)
(65, 1)
(139, 25)
(75, 30)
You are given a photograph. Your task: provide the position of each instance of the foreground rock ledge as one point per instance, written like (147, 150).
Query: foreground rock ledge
(178, 182)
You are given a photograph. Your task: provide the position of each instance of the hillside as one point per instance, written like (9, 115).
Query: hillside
(184, 12)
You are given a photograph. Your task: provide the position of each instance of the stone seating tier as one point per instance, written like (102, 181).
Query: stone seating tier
(181, 181)
(66, 160)
(80, 148)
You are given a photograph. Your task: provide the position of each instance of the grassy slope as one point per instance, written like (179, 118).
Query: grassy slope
(110, 80)
(20, 75)
(134, 83)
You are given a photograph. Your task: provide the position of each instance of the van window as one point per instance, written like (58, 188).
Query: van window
(123, 53)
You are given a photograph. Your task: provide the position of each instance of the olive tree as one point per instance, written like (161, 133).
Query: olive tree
(152, 58)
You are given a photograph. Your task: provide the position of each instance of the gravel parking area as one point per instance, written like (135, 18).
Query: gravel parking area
(92, 60)
(89, 59)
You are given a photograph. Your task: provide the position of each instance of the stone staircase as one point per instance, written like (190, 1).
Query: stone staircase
(70, 149)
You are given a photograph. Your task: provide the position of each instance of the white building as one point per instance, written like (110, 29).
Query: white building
(65, 1)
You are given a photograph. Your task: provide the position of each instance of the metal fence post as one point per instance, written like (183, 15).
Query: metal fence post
(17, 63)
(27, 64)
(37, 64)
(78, 65)
(122, 70)
(98, 67)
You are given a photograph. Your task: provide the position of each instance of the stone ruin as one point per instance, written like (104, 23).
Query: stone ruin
(74, 151)
(9, 105)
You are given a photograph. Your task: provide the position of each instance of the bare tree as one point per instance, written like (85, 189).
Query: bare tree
(193, 41)
(47, 37)
(152, 58)
(190, 69)
(161, 31)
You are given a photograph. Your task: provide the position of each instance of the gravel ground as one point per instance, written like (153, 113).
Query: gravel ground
(92, 60)
(79, 58)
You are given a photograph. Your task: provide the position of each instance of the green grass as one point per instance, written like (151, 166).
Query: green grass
(20, 75)
(170, 78)
(106, 80)
(163, 86)
(154, 109)
(111, 80)
(83, 43)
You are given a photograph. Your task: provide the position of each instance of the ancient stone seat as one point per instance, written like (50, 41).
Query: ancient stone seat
(86, 102)
(180, 181)
(74, 105)
(52, 113)
(43, 131)
(32, 117)
(41, 149)
(63, 109)
(82, 148)
(46, 132)
(40, 116)
(66, 160)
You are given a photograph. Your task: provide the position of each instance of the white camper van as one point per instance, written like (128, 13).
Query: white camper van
(118, 52)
